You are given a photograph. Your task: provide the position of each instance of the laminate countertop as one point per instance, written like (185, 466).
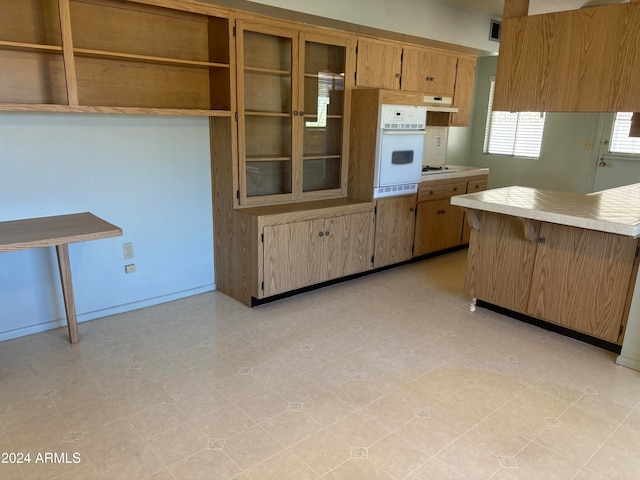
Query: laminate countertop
(616, 210)
(460, 172)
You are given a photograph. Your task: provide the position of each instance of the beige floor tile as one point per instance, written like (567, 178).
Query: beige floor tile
(28, 411)
(540, 462)
(328, 375)
(396, 456)
(225, 422)
(626, 442)
(469, 460)
(251, 447)
(178, 443)
(263, 406)
(359, 430)
(428, 435)
(206, 465)
(327, 408)
(358, 469)
(291, 427)
(282, 465)
(434, 469)
(322, 452)
(157, 419)
(137, 461)
(205, 399)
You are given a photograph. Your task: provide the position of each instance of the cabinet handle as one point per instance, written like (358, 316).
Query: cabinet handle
(602, 164)
(411, 209)
(430, 192)
(398, 75)
(301, 113)
(326, 234)
(321, 234)
(440, 212)
(455, 189)
(295, 113)
(430, 79)
(542, 240)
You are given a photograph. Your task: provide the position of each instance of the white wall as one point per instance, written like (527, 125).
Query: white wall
(433, 19)
(564, 164)
(148, 175)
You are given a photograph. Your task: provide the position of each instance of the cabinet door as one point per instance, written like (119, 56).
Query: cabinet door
(580, 279)
(438, 226)
(349, 244)
(267, 60)
(321, 118)
(293, 256)
(463, 96)
(395, 222)
(379, 64)
(428, 72)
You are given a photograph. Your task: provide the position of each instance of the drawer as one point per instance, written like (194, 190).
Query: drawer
(455, 189)
(430, 192)
(476, 186)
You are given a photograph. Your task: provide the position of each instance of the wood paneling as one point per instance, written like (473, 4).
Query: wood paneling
(379, 64)
(349, 244)
(395, 222)
(428, 72)
(438, 226)
(500, 262)
(581, 278)
(585, 60)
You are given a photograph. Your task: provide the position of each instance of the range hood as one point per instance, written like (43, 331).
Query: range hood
(439, 104)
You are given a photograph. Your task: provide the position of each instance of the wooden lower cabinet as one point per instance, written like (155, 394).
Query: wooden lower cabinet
(580, 279)
(576, 278)
(308, 252)
(440, 225)
(395, 223)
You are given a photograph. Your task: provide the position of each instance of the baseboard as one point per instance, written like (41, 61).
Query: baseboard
(106, 312)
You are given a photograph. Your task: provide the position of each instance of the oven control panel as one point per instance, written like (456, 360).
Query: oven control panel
(402, 117)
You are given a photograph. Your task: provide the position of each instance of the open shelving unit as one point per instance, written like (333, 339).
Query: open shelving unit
(112, 56)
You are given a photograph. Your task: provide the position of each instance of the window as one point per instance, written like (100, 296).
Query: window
(513, 133)
(621, 142)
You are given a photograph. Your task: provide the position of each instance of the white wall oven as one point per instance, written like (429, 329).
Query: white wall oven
(399, 149)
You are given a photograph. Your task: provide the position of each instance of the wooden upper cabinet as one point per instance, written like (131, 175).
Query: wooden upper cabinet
(585, 60)
(428, 71)
(292, 106)
(379, 64)
(463, 96)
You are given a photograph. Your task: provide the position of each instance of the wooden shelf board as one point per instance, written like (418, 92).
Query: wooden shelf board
(324, 74)
(320, 156)
(267, 71)
(42, 107)
(268, 159)
(146, 58)
(30, 47)
(266, 114)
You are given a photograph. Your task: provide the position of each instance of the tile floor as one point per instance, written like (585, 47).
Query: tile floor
(386, 377)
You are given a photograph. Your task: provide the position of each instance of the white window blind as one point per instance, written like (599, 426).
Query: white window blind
(620, 141)
(513, 133)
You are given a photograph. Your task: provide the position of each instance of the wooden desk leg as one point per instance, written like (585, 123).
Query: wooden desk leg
(67, 290)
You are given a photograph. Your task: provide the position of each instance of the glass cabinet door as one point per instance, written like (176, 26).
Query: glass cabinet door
(266, 65)
(322, 95)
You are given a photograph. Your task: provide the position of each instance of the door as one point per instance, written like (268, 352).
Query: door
(267, 60)
(395, 222)
(379, 64)
(399, 158)
(438, 226)
(349, 244)
(580, 279)
(293, 256)
(429, 72)
(323, 63)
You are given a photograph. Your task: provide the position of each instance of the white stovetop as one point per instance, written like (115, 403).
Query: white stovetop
(614, 211)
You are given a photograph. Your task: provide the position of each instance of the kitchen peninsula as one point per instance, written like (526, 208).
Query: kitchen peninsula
(564, 258)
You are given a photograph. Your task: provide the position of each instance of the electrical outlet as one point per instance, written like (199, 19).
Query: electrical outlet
(130, 268)
(127, 250)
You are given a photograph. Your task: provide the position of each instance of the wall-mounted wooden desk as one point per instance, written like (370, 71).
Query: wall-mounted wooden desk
(57, 231)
